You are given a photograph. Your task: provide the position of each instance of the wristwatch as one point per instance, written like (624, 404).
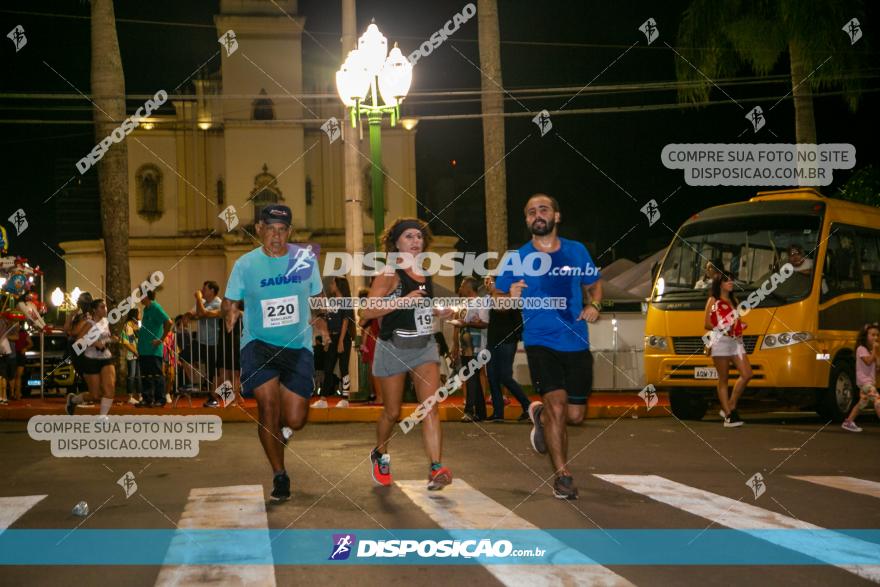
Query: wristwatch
(597, 305)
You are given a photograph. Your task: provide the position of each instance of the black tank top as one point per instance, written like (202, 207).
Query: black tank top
(403, 319)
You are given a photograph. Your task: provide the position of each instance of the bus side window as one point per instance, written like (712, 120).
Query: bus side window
(869, 247)
(841, 273)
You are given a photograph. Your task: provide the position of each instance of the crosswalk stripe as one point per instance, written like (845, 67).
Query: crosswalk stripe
(237, 506)
(461, 507)
(852, 484)
(742, 516)
(12, 508)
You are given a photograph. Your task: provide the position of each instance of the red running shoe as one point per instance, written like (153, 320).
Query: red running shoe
(381, 468)
(439, 478)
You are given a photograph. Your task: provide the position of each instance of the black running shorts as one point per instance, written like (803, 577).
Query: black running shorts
(571, 371)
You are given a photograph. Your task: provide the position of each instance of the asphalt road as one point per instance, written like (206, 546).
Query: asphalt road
(332, 489)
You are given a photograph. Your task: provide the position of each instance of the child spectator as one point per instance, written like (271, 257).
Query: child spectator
(129, 343)
(867, 360)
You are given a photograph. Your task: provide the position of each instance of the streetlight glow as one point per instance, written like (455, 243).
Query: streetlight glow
(57, 297)
(395, 78)
(373, 46)
(353, 80)
(371, 68)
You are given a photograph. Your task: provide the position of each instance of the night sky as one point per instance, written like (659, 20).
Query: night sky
(548, 44)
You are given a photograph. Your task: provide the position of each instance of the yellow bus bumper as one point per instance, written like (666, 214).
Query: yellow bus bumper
(795, 366)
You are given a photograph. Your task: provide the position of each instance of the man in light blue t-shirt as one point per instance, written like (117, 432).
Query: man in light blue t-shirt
(556, 339)
(275, 283)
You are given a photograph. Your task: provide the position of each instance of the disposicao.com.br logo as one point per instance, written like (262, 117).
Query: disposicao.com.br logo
(344, 545)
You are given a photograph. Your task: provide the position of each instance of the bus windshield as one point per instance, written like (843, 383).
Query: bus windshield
(751, 248)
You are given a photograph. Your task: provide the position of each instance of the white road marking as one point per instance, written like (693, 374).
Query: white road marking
(237, 506)
(461, 507)
(743, 516)
(12, 508)
(852, 484)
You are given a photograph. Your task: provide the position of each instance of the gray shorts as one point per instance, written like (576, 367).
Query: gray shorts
(728, 346)
(390, 360)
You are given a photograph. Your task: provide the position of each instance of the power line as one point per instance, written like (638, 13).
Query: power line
(665, 85)
(419, 39)
(473, 116)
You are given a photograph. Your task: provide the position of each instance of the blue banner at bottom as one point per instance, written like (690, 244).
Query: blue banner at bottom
(440, 547)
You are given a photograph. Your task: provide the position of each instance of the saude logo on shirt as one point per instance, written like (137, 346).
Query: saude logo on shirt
(299, 267)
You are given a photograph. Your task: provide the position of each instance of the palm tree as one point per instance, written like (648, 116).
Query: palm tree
(493, 126)
(718, 38)
(108, 96)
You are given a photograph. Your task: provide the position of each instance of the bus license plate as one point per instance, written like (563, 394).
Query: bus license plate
(705, 373)
(33, 382)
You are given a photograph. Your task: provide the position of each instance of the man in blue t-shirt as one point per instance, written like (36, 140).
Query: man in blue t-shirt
(275, 283)
(555, 274)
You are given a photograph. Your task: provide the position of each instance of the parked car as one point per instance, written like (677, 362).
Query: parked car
(58, 371)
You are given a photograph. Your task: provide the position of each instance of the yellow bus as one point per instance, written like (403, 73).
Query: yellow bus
(800, 338)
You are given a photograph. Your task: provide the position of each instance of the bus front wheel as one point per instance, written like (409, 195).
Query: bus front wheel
(837, 400)
(688, 404)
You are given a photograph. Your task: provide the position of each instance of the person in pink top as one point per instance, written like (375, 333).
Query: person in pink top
(867, 361)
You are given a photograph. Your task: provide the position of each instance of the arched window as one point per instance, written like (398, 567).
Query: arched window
(265, 192)
(264, 108)
(149, 192)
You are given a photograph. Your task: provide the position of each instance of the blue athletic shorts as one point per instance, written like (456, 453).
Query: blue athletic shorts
(262, 362)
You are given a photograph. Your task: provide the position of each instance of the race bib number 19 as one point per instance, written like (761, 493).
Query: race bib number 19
(424, 318)
(280, 312)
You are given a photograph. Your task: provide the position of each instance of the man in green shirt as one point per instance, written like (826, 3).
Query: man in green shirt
(155, 327)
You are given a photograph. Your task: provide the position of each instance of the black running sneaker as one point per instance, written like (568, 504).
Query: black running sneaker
(537, 434)
(70, 407)
(280, 487)
(563, 488)
(735, 419)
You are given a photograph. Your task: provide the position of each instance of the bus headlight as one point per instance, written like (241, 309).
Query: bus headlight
(657, 342)
(772, 341)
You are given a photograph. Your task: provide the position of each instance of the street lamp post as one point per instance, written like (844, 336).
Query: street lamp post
(372, 68)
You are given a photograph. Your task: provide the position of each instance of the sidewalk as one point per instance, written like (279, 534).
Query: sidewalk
(601, 405)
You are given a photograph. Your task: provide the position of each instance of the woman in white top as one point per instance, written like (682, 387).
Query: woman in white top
(97, 361)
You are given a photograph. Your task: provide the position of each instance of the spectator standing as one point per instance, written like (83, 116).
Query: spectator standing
(128, 338)
(230, 351)
(23, 343)
(155, 328)
(206, 313)
(7, 359)
(470, 339)
(502, 337)
(340, 324)
(369, 333)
